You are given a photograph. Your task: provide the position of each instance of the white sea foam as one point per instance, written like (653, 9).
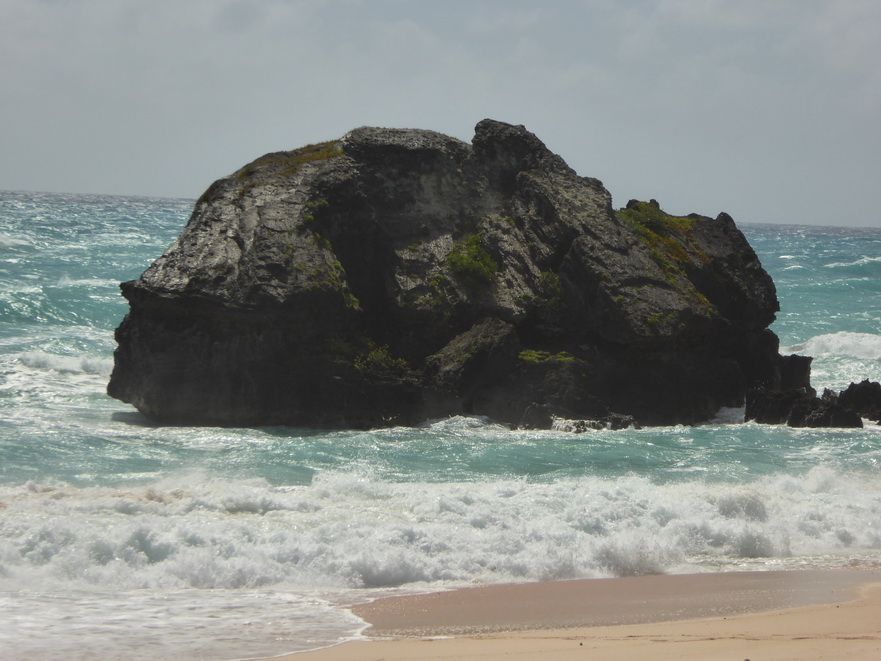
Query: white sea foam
(200, 553)
(142, 625)
(852, 345)
(862, 261)
(8, 242)
(42, 360)
(65, 281)
(729, 416)
(348, 530)
(217, 553)
(841, 358)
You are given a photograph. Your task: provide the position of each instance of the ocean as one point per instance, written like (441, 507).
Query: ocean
(120, 539)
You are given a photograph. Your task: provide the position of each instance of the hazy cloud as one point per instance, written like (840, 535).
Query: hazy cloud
(768, 110)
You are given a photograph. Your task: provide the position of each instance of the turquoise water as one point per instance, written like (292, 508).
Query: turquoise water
(124, 540)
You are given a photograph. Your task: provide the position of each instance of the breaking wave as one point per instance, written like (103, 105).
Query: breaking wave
(67, 364)
(853, 345)
(353, 531)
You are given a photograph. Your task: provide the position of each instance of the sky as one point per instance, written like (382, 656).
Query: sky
(769, 110)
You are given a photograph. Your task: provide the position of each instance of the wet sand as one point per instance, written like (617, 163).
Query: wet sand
(798, 615)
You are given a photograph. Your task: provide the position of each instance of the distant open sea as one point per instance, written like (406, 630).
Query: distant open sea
(124, 540)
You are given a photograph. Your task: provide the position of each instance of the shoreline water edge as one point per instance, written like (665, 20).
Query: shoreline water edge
(806, 615)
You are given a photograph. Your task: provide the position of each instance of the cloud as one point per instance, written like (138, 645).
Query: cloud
(706, 105)
(731, 15)
(487, 20)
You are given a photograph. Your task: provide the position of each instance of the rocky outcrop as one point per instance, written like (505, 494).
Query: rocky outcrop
(397, 275)
(862, 398)
(798, 408)
(796, 404)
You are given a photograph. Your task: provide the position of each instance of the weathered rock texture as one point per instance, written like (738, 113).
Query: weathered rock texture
(800, 406)
(397, 275)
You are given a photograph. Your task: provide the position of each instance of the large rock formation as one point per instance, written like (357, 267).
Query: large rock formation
(397, 275)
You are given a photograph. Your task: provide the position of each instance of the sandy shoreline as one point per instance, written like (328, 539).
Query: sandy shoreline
(798, 615)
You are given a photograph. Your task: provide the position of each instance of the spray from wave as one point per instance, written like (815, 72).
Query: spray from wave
(841, 358)
(864, 346)
(42, 360)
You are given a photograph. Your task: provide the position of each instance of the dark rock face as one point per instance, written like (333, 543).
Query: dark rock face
(798, 408)
(862, 398)
(397, 275)
(825, 411)
(797, 404)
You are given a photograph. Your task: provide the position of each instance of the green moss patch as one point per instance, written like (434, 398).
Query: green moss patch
(670, 244)
(536, 357)
(287, 163)
(648, 217)
(379, 360)
(668, 238)
(470, 262)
